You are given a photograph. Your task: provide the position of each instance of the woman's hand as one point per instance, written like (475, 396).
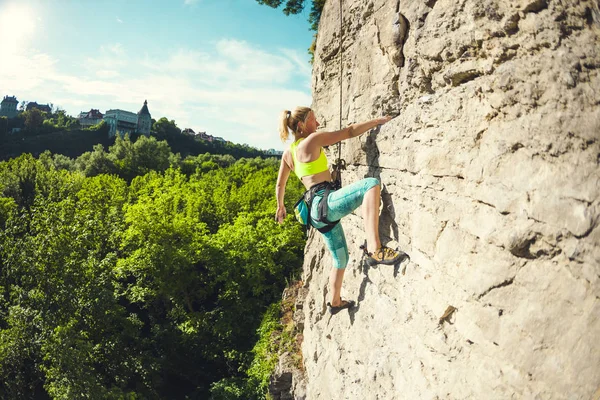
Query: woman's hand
(280, 214)
(383, 120)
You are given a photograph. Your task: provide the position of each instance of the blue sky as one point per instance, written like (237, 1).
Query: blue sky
(227, 67)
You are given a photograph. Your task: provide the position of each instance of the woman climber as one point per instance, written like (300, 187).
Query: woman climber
(307, 159)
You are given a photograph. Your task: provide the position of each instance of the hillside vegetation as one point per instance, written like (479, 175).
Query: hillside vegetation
(133, 273)
(60, 133)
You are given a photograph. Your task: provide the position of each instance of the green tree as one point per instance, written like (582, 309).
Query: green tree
(101, 126)
(63, 162)
(61, 121)
(297, 6)
(95, 162)
(34, 119)
(56, 161)
(138, 158)
(24, 179)
(164, 129)
(36, 255)
(3, 127)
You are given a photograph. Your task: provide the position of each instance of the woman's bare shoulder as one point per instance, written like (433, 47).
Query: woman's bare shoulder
(287, 159)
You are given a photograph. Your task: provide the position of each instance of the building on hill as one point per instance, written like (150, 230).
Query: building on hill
(204, 136)
(90, 118)
(42, 107)
(120, 121)
(273, 152)
(8, 107)
(127, 122)
(189, 131)
(144, 123)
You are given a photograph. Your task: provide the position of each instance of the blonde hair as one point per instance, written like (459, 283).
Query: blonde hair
(289, 121)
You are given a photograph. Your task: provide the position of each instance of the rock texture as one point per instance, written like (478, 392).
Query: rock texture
(288, 381)
(492, 183)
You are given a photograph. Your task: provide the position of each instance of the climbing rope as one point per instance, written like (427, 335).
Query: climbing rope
(341, 51)
(339, 163)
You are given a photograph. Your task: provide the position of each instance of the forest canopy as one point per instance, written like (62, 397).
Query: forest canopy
(133, 273)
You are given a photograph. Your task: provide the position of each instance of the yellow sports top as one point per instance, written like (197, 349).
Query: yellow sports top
(310, 168)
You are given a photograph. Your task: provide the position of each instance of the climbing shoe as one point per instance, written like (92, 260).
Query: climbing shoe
(336, 309)
(383, 255)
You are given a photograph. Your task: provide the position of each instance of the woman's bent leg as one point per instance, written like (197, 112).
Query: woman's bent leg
(366, 192)
(347, 199)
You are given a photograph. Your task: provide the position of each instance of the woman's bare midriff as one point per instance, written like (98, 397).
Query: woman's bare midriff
(311, 180)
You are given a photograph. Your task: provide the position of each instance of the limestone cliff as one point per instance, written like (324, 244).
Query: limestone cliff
(491, 184)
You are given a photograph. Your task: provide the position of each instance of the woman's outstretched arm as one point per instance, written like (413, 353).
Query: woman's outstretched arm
(282, 177)
(328, 138)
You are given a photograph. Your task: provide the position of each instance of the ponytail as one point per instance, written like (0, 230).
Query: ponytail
(284, 133)
(289, 121)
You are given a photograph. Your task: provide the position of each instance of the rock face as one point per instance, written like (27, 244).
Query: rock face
(491, 179)
(288, 381)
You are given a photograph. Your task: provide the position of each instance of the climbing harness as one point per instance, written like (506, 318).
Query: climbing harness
(340, 164)
(327, 186)
(304, 204)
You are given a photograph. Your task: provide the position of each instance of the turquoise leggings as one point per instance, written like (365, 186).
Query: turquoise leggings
(339, 204)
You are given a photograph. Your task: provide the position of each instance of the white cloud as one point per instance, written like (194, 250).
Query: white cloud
(255, 64)
(107, 74)
(301, 64)
(119, 20)
(109, 58)
(116, 49)
(234, 89)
